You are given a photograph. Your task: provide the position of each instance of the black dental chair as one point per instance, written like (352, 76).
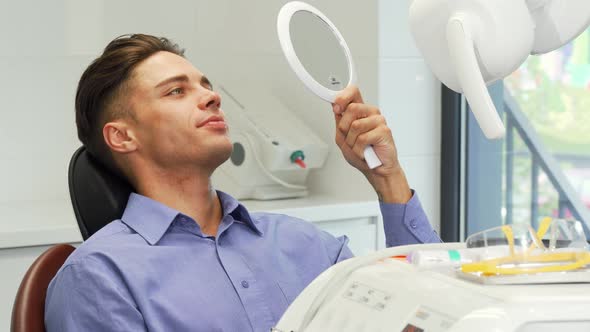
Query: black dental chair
(98, 196)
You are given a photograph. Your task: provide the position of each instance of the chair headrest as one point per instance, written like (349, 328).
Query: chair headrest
(98, 195)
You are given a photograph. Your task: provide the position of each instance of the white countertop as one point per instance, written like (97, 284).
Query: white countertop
(36, 223)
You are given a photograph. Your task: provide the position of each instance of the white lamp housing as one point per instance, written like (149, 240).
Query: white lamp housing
(471, 43)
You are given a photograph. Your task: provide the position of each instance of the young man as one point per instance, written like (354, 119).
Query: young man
(184, 257)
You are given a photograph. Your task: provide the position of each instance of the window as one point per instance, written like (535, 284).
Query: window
(542, 166)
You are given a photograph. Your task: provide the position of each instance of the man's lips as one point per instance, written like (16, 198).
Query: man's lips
(213, 122)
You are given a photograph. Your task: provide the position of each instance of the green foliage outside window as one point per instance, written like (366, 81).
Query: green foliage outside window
(553, 90)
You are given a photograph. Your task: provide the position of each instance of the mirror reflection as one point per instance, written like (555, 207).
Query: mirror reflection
(319, 50)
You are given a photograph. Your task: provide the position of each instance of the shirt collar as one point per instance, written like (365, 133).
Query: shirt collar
(232, 207)
(151, 219)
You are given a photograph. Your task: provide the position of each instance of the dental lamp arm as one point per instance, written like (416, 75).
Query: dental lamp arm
(464, 60)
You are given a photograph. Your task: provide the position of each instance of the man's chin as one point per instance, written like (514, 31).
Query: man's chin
(221, 155)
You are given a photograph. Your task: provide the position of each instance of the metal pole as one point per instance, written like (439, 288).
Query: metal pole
(509, 167)
(534, 191)
(561, 206)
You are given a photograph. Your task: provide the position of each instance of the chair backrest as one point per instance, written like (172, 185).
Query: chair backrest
(98, 195)
(28, 312)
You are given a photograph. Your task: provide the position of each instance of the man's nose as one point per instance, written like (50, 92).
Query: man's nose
(211, 100)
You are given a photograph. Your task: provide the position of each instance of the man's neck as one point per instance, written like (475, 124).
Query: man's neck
(190, 193)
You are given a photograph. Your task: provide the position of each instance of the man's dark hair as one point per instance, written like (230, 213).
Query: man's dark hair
(99, 90)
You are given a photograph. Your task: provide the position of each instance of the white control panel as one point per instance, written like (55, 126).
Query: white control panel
(390, 295)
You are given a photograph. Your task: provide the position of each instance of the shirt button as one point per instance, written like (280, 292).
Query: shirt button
(413, 224)
(245, 284)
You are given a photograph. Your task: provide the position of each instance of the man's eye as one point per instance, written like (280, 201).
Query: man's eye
(176, 91)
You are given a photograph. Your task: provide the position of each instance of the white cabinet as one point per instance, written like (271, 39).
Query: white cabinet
(360, 221)
(362, 233)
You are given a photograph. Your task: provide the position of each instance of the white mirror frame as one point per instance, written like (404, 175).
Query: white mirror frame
(283, 29)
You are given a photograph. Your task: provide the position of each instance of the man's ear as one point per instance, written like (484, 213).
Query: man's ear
(119, 136)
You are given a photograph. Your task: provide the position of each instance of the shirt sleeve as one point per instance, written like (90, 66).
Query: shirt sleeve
(407, 223)
(85, 296)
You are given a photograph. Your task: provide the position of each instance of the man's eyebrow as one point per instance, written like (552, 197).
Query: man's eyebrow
(205, 80)
(177, 78)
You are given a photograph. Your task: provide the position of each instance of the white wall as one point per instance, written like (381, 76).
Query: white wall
(45, 50)
(252, 55)
(409, 96)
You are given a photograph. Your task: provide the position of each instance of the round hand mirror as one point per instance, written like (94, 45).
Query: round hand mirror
(318, 54)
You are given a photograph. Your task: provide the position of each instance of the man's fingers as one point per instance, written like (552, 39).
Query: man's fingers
(339, 135)
(346, 150)
(351, 94)
(354, 112)
(361, 126)
(372, 137)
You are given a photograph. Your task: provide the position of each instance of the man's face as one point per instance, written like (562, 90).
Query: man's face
(179, 120)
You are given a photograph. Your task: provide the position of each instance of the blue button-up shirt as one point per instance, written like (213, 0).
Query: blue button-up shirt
(154, 270)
